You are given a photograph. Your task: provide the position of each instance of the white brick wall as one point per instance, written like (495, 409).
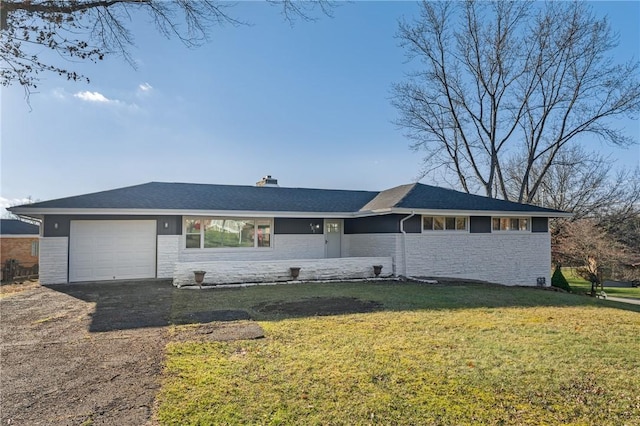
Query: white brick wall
(309, 246)
(370, 244)
(278, 270)
(168, 254)
(505, 258)
(367, 245)
(54, 260)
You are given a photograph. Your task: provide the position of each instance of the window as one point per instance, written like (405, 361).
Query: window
(444, 223)
(193, 233)
(227, 232)
(333, 228)
(35, 248)
(511, 224)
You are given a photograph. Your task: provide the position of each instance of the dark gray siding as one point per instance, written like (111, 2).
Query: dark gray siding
(55, 226)
(539, 224)
(297, 226)
(174, 223)
(480, 224)
(413, 225)
(386, 224)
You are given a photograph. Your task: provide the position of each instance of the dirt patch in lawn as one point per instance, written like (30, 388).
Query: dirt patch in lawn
(242, 330)
(211, 316)
(319, 306)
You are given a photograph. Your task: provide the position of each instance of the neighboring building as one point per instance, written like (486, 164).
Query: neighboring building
(20, 241)
(161, 230)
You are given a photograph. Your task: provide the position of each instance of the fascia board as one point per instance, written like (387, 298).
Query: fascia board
(244, 213)
(169, 212)
(7, 236)
(39, 213)
(30, 216)
(501, 213)
(368, 213)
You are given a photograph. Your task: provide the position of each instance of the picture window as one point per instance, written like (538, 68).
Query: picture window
(227, 232)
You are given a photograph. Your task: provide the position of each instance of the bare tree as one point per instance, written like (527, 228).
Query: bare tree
(500, 80)
(584, 184)
(580, 182)
(623, 225)
(585, 243)
(90, 30)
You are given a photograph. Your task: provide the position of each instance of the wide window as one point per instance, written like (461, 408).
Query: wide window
(227, 232)
(444, 223)
(511, 224)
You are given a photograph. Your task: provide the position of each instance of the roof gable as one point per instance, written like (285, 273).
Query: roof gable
(428, 197)
(388, 198)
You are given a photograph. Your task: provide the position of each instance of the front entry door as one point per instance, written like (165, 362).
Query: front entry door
(332, 237)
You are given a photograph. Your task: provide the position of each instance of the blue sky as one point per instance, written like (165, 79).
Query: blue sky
(307, 104)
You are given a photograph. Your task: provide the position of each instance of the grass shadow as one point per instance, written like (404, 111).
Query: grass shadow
(156, 303)
(123, 305)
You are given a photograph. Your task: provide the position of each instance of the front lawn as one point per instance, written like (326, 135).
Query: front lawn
(469, 354)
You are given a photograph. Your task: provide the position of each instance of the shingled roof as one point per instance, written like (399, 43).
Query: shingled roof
(189, 196)
(208, 197)
(426, 197)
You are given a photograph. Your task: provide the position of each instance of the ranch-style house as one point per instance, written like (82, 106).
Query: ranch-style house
(240, 234)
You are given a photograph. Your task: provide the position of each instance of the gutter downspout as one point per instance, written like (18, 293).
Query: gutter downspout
(404, 242)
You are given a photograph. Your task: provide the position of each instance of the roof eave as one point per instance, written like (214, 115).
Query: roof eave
(29, 216)
(375, 212)
(503, 213)
(41, 212)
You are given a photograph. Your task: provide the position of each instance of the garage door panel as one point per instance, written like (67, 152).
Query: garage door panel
(107, 250)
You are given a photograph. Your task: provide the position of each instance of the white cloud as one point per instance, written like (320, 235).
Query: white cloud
(92, 97)
(145, 87)
(58, 93)
(10, 202)
(99, 98)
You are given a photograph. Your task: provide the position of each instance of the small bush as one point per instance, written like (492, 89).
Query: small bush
(558, 280)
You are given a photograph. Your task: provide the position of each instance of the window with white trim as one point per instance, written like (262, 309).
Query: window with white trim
(35, 248)
(227, 232)
(444, 223)
(511, 224)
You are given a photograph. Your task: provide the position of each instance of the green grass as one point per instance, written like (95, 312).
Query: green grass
(580, 285)
(434, 355)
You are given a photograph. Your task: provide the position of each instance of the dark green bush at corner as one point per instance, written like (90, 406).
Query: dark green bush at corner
(558, 280)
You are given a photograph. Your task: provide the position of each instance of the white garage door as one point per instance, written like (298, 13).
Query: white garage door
(112, 250)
